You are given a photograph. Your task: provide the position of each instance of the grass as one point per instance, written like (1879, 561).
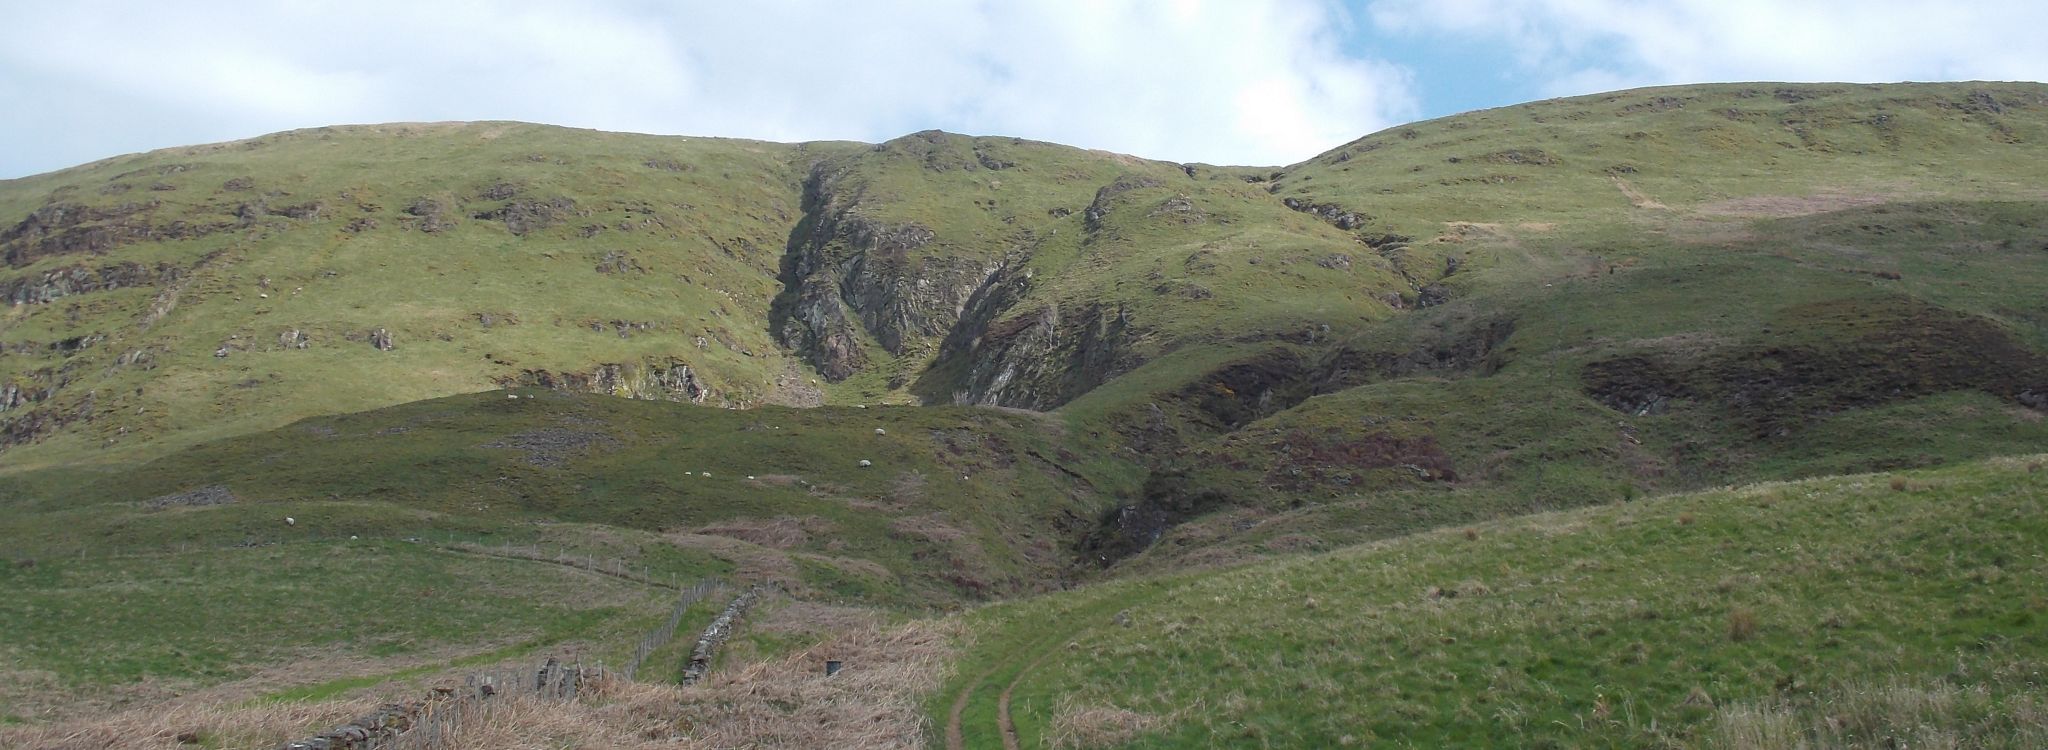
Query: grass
(683, 491)
(210, 616)
(1620, 625)
(1571, 303)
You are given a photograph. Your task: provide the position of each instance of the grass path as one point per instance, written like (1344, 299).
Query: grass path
(1003, 722)
(956, 737)
(1088, 607)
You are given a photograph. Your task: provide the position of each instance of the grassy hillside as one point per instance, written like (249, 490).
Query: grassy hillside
(1061, 366)
(1866, 611)
(1800, 308)
(198, 293)
(953, 502)
(488, 526)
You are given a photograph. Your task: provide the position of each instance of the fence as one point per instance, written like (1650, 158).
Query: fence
(662, 635)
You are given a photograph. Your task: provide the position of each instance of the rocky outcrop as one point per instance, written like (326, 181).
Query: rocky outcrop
(1106, 198)
(522, 217)
(1336, 215)
(553, 447)
(36, 386)
(430, 215)
(60, 229)
(667, 379)
(849, 277)
(1038, 359)
(212, 494)
(35, 423)
(45, 287)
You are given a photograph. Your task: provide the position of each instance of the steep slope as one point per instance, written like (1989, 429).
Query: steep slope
(1014, 273)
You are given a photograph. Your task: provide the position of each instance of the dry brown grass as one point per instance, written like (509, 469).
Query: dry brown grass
(158, 727)
(45, 698)
(1898, 715)
(1078, 726)
(751, 562)
(783, 532)
(1742, 624)
(1781, 206)
(876, 702)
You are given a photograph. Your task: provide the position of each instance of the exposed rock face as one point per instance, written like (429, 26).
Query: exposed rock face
(69, 228)
(1259, 386)
(1105, 198)
(63, 282)
(1330, 212)
(849, 277)
(1035, 360)
(667, 379)
(525, 216)
(34, 423)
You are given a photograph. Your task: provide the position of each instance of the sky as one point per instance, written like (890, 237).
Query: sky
(1266, 82)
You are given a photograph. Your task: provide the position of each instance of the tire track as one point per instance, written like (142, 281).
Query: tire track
(1009, 728)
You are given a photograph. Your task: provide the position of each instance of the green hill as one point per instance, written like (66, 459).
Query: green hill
(1061, 367)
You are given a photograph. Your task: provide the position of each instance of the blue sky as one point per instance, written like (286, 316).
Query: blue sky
(1219, 81)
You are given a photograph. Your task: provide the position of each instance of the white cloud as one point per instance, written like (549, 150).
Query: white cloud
(1224, 81)
(1581, 46)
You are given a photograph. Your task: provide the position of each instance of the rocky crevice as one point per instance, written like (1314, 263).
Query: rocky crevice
(1037, 359)
(849, 278)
